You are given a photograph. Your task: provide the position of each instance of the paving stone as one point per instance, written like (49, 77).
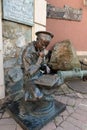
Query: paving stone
(64, 114)
(70, 109)
(81, 112)
(59, 128)
(1, 114)
(18, 127)
(7, 121)
(49, 126)
(84, 127)
(82, 106)
(6, 115)
(73, 118)
(84, 101)
(71, 102)
(64, 99)
(59, 91)
(79, 117)
(78, 101)
(75, 122)
(65, 88)
(58, 120)
(85, 96)
(58, 98)
(68, 126)
(72, 95)
(7, 127)
(79, 95)
(70, 90)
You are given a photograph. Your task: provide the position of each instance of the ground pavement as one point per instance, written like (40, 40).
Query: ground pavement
(73, 118)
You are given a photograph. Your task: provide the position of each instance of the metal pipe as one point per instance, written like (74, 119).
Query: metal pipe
(76, 73)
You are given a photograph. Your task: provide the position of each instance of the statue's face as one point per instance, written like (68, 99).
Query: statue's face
(43, 39)
(41, 45)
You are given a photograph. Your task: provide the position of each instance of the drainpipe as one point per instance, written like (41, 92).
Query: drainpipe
(2, 86)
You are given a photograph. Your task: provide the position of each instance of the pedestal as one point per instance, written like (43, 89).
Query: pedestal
(38, 117)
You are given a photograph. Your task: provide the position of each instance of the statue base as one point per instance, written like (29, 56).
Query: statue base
(39, 116)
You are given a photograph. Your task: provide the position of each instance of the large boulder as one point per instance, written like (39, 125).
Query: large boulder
(64, 56)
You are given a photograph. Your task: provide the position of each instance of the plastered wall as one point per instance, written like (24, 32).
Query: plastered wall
(65, 29)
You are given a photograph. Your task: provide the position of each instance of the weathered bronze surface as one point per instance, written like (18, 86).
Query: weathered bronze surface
(35, 108)
(37, 116)
(47, 80)
(72, 74)
(44, 35)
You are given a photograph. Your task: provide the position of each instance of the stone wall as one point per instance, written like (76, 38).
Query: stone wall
(15, 38)
(2, 87)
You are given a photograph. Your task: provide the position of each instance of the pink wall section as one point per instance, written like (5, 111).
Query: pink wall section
(64, 29)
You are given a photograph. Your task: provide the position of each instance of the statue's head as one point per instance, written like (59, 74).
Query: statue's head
(43, 39)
